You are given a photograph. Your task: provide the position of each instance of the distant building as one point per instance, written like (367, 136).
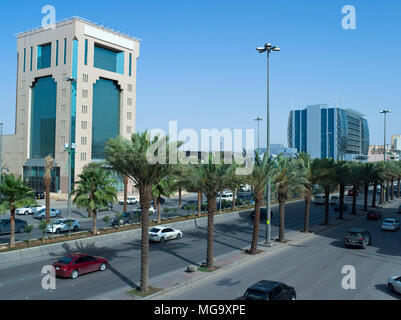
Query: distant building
(376, 153)
(276, 149)
(329, 132)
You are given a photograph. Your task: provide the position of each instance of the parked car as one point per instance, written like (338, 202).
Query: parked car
(357, 238)
(351, 192)
(334, 199)
(41, 214)
(319, 199)
(399, 209)
(269, 290)
(337, 206)
(373, 215)
(162, 201)
(29, 209)
(263, 214)
(128, 217)
(151, 209)
(73, 265)
(225, 195)
(109, 207)
(195, 202)
(5, 226)
(61, 225)
(163, 233)
(39, 195)
(394, 284)
(390, 224)
(130, 200)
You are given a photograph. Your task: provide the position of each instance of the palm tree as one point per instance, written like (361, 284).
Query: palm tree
(94, 189)
(398, 177)
(287, 178)
(305, 164)
(49, 163)
(366, 174)
(355, 178)
(376, 179)
(211, 178)
(163, 188)
(323, 170)
(15, 194)
(341, 171)
(138, 158)
(262, 171)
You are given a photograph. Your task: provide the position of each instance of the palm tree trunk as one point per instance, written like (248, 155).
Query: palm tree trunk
(211, 208)
(398, 189)
(89, 212)
(125, 192)
(94, 221)
(158, 206)
(180, 197)
(326, 209)
(387, 190)
(199, 202)
(256, 222)
(381, 199)
(365, 198)
(234, 193)
(47, 200)
(12, 227)
(374, 195)
(341, 211)
(392, 189)
(144, 198)
(307, 209)
(354, 201)
(281, 235)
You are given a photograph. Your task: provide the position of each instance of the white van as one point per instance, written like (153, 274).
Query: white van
(319, 199)
(226, 195)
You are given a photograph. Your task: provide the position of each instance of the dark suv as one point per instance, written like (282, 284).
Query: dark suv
(357, 238)
(128, 217)
(5, 226)
(269, 290)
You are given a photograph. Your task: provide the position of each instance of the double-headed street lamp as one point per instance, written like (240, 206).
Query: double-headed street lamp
(268, 48)
(258, 120)
(384, 111)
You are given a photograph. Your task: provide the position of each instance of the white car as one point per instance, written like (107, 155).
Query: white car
(61, 225)
(391, 224)
(334, 199)
(319, 199)
(30, 209)
(394, 284)
(163, 233)
(225, 195)
(130, 200)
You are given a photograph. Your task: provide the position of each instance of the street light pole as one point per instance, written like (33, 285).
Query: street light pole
(268, 48)
(258, 120)
(384, 111)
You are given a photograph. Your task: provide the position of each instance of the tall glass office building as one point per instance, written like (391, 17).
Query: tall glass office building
(329, 132)
(76, 85)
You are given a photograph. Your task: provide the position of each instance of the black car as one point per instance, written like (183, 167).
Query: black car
(263, 214)
(39, 195)
(357, 238)
(127, 217)
(5, 226)
(162, 201)
(269, 290)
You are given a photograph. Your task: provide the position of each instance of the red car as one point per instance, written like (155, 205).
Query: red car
(373, 215)
(351, 192)
(74, 265)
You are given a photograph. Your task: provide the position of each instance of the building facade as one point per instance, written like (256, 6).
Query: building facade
(376, 153)
(329, 132)
(76, 85)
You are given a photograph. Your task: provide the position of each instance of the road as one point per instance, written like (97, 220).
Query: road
(24, 281)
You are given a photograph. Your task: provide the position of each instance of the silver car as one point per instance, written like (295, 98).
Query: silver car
(391, 224)
(162, 233)
(41, 214)
(61, 225)
(29, 209)
(394, 284)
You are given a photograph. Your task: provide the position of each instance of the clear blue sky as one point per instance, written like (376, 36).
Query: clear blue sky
(198, 62)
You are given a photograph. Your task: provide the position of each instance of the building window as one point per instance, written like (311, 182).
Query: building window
(83, 156)
(84, 109)
(129, 102)
(84, 93)
(83, 141)
(24, 58)
(129, 88)
(128, 129)
(63, 108)
(84, 124)
(129, 115)
(62, 124)
(31, 57)
(86, 52)
(63, 93)
(62, 140)
(44, 56)
(108, 59)
(85, 78)
(130, 64)
(65, 50)
(56, 53)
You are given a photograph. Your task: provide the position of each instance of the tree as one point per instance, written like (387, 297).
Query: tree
(234, 181)
(49, 163)
(94, 189)
(342, 173)
(306, 164)
(323, 170)
(262, 171)
(355, 178)
(146, 162)
(287, 178)
(15, 194)
(211, 179)
(42, 227)
(28, 229)
(165, 187)
(376, 175)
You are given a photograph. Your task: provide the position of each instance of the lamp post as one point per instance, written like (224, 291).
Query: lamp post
(258, 120)
(70, 148)
(384, 111)
(268, 48)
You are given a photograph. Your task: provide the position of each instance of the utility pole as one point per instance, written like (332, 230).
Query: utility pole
(384, 111)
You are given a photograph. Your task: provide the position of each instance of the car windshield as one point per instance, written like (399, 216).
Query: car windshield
(388, 221)
(65, 260)
(255, 295)
(155, 230)
(58, 221)
(354, 234)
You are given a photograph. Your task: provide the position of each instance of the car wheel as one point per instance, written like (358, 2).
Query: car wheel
(58, 231)
(293, 297)
(162, 240)
(75, 229)
(179, 236)
(103, 267)
(74, 274)
(26, 213)
(390, 287)
(21, 229)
